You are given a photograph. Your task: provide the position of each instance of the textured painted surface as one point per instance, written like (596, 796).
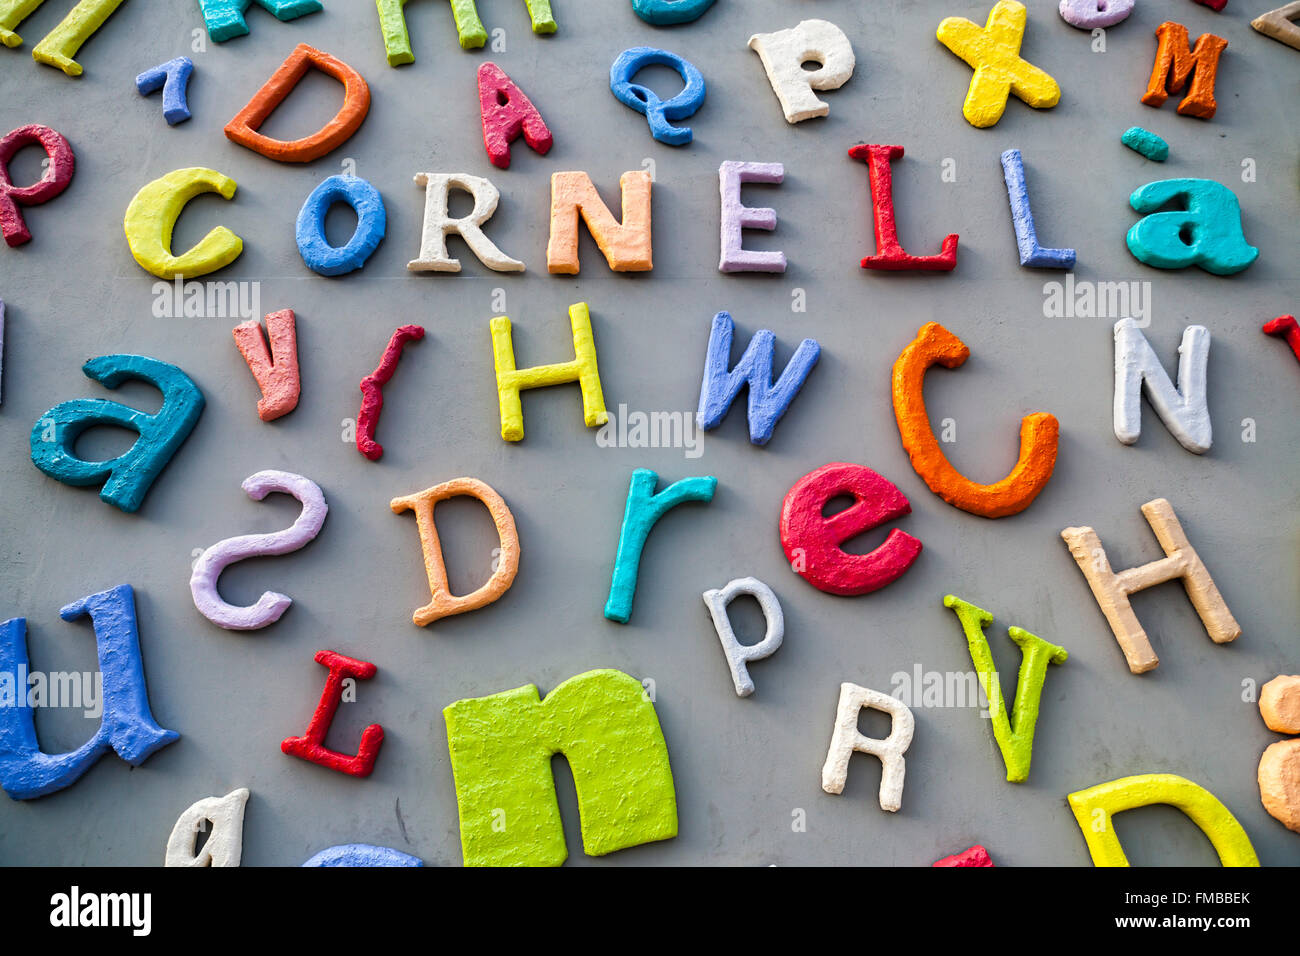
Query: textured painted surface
(126, 726)
(626, 245)
(738, 655)
(512, 381)
(1094, 807)
(644, 508)
(501, 748)
(1209, 216)
(1177, 61)
(737, 217)
(1112, 589)
(994, 54)
(243, 128)
(125, 479)
(847, 740)
(55, 178)
(442, 603)
(1280, 24)
(372, 389)
(208, 566)
(658, 112)
(508, 114)
(664, 13)
(372, 223)
(1185, 409)
(890, 254)
(224, 19)
(222, 819)
(1022, 218)
(61, 44)
(975, 856)
(1038, 435)
(1013, 731)
(812, 542)
(151, 216)
(1145, 142)
(362, 854)
(1285, 327)
(439, 224)
(1091, 14)
(767, 399)
(311, 745)
(173, 78)
(273, 360)
(784, 54)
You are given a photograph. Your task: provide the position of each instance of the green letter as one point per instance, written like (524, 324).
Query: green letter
(1016, 742)
(501, 748)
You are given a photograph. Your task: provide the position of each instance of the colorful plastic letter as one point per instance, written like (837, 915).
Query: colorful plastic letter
(768, 401)
(363, 854)
(812, 541)
(222, 818)
(372, 221)
(847, 739)
(126, 724)
(736, 216)
(784, 54)
(501, 749)
(1039, 434)
(627, 246)
(172, 78)
(890, 254)
(61, 44)
(1093, 809)
(739, 655)
(57, 176)
(243, 129)
(126, 478)
(225, 18)
(1014, 733)
(1091, 14)
(1112, 588)
(1284, 327)
(1022, 217)
(507, 115)
(372, 389)
(1205, 232)
(1146, 143)
(645, 101)
(311, 746)
(276, 368)
(442, 603)
(151, 216)
(976, 855)
(511, 381)
(439, 224)
(207, 569)
(1279, 24)
(1176, 60)
(644, 509)
(1183, 409)
(994, 54)
(666, 13)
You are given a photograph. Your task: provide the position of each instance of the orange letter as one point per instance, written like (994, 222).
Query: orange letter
(1176, 60)
(356, 103)
(1038, 435)
(442, 602)
(627, 245)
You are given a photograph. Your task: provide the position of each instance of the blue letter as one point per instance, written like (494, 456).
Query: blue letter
(172, 77)
(127, 477)
(644, 100)
(644, 508)
(315, 249)
(767, 402)
(126, 725)
(362, 854)
(1022, 217)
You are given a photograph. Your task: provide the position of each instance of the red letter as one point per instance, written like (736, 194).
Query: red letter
(312, 747)
(812, 542)
(889, 251)
(55, 180)
(1285, 327)
(507, 115)
(372, 390)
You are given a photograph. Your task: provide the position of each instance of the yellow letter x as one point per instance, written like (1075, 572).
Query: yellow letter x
(994, 52)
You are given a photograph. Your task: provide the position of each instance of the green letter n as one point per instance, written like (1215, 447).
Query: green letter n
(501, 749)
